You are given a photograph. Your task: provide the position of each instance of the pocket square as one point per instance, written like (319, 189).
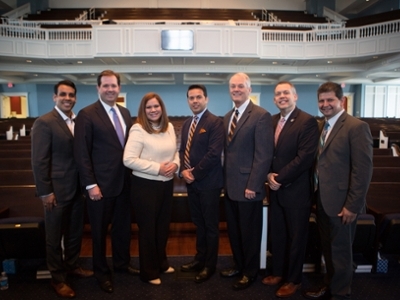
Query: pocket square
(202, 130)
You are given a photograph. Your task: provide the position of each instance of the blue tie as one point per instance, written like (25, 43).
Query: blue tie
(118, 127)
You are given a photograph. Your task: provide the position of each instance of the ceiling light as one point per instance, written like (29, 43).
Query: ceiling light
(36, 75)
(28, 61)
(317, 75)
(375, 57)
(262, 74)
(274, 62)
(150, 74)
(329, 61)
(212, 61)
(143, 61)
(207, 74)
(79, 62)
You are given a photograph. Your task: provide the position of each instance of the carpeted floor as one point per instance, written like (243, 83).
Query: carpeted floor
(179, 285)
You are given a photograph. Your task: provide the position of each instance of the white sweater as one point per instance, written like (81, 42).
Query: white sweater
(144, 152)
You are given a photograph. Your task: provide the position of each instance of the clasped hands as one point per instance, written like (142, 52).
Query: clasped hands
(168, 169)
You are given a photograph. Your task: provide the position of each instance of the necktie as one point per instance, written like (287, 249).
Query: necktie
(278, 129)
(233, 125)
(118, 127)
(189, 142)
(320, 147)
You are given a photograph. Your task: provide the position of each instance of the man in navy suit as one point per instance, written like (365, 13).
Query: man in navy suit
(57, 185)
(247, 160)
(202, 141)
(296, 139)
(100, 136)
(344, 168)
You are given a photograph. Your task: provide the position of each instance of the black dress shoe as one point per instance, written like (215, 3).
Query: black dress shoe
(107, 286)
(229, 272)
(243, 283)
(130, 270)
(204, 275)
(321, 293)
(193, 266)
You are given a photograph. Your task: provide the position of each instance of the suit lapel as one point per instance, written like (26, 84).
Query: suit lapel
(63, 125)
(243, 119)
(103, 115)
(338, 125)
(288, 124)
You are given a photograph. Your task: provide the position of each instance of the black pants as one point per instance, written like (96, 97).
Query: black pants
(152, 203)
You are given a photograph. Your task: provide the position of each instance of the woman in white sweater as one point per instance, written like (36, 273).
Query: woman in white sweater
(151, 154)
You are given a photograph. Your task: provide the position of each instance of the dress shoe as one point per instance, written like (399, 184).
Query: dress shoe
(232, 272)
(272, 280)
(63, 290)
(204, 275)
(321, 293)
(80, 272)
(193, 266)
(130, 270)
(170, 270)
(156, 281)
(107, 286)
(287, 290)
(243, 283)
(133, 271)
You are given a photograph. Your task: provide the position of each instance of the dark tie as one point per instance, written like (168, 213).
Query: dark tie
(320, 147)
(233, 125)
(189, 142)
(118, 127)
(279, 129)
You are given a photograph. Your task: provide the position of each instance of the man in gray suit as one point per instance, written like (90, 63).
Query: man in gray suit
(248, 155)
(343, 174)
(57, 185)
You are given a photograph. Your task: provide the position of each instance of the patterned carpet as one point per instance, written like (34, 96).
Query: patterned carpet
(180, 286)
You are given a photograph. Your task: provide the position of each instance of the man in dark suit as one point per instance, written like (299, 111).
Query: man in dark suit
(247, 160)
(296, 139)
(57, 185)
(202, 141)
(100, 135)
(344, 170)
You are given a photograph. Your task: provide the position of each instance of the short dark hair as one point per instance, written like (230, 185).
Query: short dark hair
(331, 87)
(144, 121)
(197, 86)
(64, 82)
(108, 73)
(289, 83)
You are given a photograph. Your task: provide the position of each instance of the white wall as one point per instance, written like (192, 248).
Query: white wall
(249, 4)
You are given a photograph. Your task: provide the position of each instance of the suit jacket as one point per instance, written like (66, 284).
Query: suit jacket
(293, 158)
(53, 163)
(205, 151)
(249, 154)
(345, 166)
(98, 151)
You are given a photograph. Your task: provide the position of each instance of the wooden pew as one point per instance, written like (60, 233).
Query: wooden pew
(15, 153)
(386, 161)
(16, 178)
(386, 174)
(382, 151)
(21, 163)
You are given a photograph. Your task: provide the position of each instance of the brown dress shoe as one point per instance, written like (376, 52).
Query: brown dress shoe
(287, 290)
(82, 273)
(63, 290)
(272, 280)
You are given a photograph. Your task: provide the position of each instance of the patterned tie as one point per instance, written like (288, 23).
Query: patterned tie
(320, 147)
(233, 125)
(118, 127)
(278, 130)
(189, 142)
